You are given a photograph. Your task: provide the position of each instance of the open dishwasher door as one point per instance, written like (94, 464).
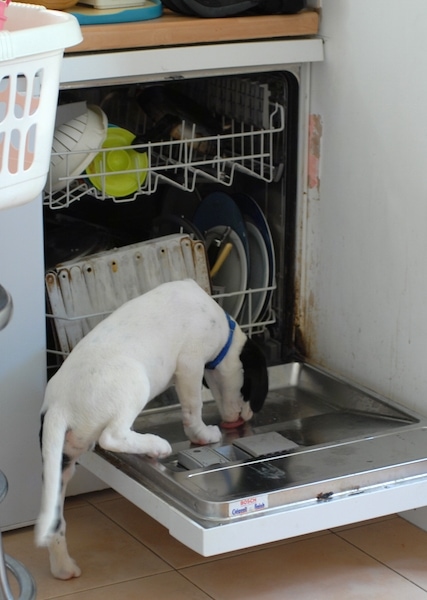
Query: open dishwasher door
(321, 453)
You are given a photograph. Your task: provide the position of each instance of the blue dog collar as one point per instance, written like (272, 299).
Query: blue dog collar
(215, 362)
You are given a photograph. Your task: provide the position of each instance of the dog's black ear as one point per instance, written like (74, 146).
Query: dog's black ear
(255, 375)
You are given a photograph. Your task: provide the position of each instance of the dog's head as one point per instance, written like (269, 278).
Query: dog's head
(239, 383)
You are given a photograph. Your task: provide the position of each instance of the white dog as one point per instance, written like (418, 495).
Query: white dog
(175, 334)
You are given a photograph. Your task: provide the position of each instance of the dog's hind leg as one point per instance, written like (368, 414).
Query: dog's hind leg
(129, 400)
(61, 564)
(118, 436)
(59, 455)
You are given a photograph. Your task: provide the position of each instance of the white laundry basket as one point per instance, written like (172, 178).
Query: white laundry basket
(32, 44)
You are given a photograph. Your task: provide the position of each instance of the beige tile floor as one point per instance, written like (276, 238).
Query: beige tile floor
(124, 554)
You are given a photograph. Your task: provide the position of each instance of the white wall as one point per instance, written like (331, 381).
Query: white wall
(366, 262)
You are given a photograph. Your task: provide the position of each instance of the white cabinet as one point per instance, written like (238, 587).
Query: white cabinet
(22, 361)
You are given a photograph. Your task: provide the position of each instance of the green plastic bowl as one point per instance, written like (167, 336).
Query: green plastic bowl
(117, 170)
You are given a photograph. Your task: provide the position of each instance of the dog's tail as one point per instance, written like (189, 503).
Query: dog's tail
(52, 435)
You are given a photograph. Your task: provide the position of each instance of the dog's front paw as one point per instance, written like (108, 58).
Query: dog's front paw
(208, 434)
(158, 447)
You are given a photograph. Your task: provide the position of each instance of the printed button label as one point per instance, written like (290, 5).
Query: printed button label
(247, 505)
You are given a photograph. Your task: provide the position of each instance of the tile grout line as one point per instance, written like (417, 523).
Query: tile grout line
(195, 584)
(179, 570)
(380, 562)
(206, 560)
(172, 568)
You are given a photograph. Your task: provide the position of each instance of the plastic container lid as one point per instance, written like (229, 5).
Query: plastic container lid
(107, 172)
(151, 9)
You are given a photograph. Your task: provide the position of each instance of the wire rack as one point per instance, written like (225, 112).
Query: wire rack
(82, 293)
(182, 162)
(250, 125)
(69, 323)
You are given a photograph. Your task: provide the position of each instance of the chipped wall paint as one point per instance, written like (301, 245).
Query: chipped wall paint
(315, 130)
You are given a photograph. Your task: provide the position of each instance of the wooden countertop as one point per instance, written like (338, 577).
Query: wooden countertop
(172, 29)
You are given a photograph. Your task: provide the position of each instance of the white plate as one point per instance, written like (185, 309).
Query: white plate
(258, 275)
(251, 211)
(232, 276)
(218, 208)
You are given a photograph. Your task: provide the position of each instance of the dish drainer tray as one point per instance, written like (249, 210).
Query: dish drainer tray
(81, 293)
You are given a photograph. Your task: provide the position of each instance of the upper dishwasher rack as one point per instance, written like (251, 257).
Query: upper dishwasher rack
(250, 122)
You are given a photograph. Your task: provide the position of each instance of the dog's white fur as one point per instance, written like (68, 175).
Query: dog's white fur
(163, 337)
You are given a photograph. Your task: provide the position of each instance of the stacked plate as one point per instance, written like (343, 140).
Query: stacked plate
(263, 264)
(240, 252)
